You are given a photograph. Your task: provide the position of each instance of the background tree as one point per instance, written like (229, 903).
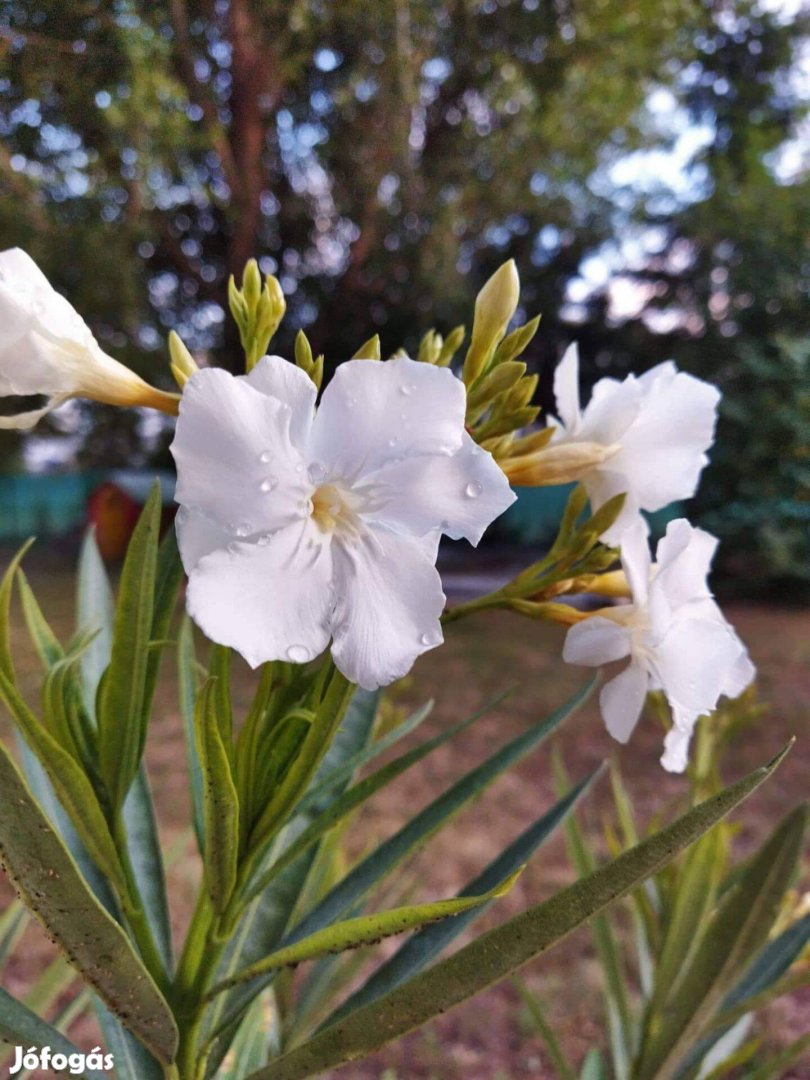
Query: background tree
(643, 164)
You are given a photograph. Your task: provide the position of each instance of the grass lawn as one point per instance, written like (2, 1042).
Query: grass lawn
(488, 1037)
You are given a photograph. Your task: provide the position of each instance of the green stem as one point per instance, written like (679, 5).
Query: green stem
(135, 915)
(481, 603)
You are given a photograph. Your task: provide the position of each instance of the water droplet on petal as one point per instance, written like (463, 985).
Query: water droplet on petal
(393, 442)
(233, 549)
(269, 484)
(406, 389)
(299, 654)
(264, 539)
(429, 639)
(181, 515)
(244, 528)
(317, 472)
(265, 456)
(473, 489)
(444, 525)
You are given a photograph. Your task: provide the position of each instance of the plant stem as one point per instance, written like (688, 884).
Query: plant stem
(136, 916)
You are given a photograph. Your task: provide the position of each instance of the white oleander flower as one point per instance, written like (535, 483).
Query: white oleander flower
(47, 348)
(645, 436)
(297, 525)
(674, 633)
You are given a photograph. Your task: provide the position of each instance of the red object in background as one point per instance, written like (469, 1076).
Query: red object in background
(114, 513)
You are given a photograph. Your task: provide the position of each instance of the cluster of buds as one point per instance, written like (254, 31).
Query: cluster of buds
(257, 309)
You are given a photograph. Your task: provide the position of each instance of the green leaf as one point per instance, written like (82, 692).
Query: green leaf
(425, 946)
(188, 683)
(122, 697)
(772, 963)
(70, 783)
(593, 1068)
(505, 949)
(42, 636)
(6, 588)
(329, 778)
(354, 797)
(740, 927)
(12, 925)
(22, 1027)
(220, 801)
(267, 919)
(251, 1045)
(132, 1060)
(364, 930)
(776, 1068)
(375, 867)
(95, 611)
(50, 885)
(168, 578)
(146, 858)
(695, 896)
(537, 1014)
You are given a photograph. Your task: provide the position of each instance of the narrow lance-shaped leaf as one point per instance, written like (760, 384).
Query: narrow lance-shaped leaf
(505, 949)
(354, 797)
(425, 946)
(220, 801)
(6, 587)
(45, 641)
(122, 693)
(188, 682)
(364, 930)
(741, 925)
(95, 611)
(48, 882)
(19, 1026)
(376, 866)
(70, 783)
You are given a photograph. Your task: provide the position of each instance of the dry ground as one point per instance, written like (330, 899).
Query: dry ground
(488, 1038)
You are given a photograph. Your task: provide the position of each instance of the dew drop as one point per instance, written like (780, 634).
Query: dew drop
(406, 389)
(317, 472)
(351, 402)
(181, 515)
(264, 539)
(299, 654)
(265, 456)
(428, 639)
(267, 485)
(473, 489)
(244, 528)
(393, 442)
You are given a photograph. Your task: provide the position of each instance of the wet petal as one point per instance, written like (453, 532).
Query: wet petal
(268, 601)
(460, 494)
(278, 378)
(236, 463)
(389, 599)
(373, 412)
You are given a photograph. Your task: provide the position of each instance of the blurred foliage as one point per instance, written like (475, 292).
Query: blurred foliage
(756, 497)
(643, 164)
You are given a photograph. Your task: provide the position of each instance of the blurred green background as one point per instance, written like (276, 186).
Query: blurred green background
(646, 164)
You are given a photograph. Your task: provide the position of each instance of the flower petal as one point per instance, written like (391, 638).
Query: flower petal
(622, 699)
(198, 536)
(24, 421)
(636, 560)
(28, 302)
(683, 560)
(566, 389)
(461, 494)
(372, 412)
(268, 601)
(235, 460)
(387, 612)
(601, 484)
(676, 748)
(278, 378)
(664, 449)
(693, 663)
(596, 641)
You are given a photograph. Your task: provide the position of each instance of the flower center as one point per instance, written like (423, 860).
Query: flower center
(331, 509)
